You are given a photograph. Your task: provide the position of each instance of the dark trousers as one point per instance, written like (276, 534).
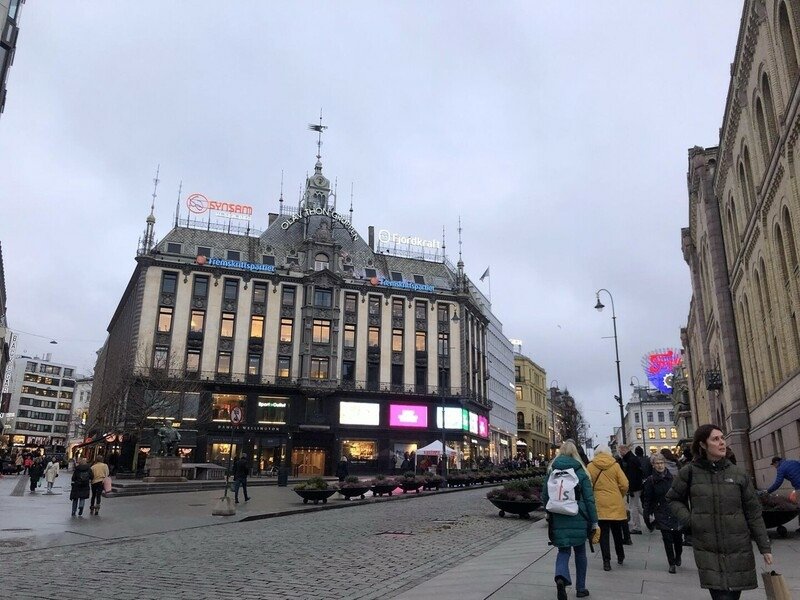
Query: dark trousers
(673, 544)
(626, 531)
(97, 493)
(607, 529)
(724, 595)
(34, 483)
(237, 483)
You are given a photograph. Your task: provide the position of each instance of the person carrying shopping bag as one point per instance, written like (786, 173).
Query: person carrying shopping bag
(610, 487)
(718, 500)
(571, 517)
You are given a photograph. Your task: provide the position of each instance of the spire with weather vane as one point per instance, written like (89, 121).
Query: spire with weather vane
(149, 233)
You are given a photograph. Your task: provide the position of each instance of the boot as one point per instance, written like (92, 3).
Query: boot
(606, 565)
(672, 569)
(97, 510)
(561, 588)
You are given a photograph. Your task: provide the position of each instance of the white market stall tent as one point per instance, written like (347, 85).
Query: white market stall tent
(435, 449)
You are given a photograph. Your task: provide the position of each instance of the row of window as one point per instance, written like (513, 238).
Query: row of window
(775, 447)
(661, 417)
(29, 389)
(662, 433)
(31, 367)
(26, 426)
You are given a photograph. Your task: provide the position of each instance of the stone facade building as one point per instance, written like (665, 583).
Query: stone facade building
(742, 338)
(9, 18)
(323, 345)
(532, 420)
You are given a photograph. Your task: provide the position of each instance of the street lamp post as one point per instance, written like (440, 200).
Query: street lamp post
(637, 388)
(442, 370)
(600, 306)
(553, 413)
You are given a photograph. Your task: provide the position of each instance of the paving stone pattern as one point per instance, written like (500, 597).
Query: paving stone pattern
(360, 552)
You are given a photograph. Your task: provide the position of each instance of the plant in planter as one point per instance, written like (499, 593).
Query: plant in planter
(457, 479)
(315, 489)
(352, 487)
(432, 481)
(518, 497)
(382, 485)
(777, 511)
(410, 482)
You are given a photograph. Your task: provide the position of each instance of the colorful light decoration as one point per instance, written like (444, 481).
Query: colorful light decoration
(658, 366)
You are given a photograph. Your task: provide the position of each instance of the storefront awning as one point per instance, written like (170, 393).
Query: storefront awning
(521, 443)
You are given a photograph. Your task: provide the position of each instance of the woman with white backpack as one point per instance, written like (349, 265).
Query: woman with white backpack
(572, 516)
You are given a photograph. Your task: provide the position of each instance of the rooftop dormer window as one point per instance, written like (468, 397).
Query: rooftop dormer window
(321, 261)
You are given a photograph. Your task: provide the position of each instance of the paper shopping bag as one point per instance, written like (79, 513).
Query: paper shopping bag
(775, 586)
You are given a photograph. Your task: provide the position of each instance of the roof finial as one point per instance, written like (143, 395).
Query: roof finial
(155, 187)
(460, 262)
(178, 203)
(319, 129)
(351, 202)
(444, 246)
(335, 192)
(281, 198)
(149, 234)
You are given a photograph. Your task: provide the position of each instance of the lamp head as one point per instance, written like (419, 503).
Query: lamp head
(599, 306)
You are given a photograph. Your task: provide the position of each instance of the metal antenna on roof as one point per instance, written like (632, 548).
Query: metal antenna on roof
(178, 203)
(335, 192)
(149, 235)
(280, 200)
(444, 246)
(460, 262)
(351, 202)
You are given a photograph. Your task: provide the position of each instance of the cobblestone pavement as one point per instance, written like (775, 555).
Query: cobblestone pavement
(360, 552)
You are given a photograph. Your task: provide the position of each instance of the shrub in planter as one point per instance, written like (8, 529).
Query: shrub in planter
(383, 485)
(410, 482)
(315, 489)
(353, 487)
(432, 481)
(518, 497)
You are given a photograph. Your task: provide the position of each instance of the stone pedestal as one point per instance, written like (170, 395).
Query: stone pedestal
(163, 469)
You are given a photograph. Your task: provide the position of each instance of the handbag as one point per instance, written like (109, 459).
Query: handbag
(775, 586)
(107, 484)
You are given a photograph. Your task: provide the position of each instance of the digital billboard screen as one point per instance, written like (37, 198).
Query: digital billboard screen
(483, 426)
(359, 413)
(408, 415)
(452, 417)
(473, 423)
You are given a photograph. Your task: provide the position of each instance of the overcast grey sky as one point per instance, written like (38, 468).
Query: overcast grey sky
(557, 130)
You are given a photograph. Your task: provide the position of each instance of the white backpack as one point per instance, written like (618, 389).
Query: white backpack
(561, 492)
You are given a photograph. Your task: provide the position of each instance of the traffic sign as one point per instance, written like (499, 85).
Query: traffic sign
(237, 415)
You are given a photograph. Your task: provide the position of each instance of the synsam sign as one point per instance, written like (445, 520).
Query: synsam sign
(235, 264)
(199, 204)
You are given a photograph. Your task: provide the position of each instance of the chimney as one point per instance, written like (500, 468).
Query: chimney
(272, 218)
(371, 237)
(48, 356)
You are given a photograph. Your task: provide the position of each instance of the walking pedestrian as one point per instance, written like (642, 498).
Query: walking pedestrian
(570, 532)
(241, 469)
(717, 498)
(26, 463)
(50, 474)
(81, 482)
(632, 467)
(99, 473)
(610, 486)
(35, 472)
(341, 469)
(655, 505)
(19, 463)
(671, 461)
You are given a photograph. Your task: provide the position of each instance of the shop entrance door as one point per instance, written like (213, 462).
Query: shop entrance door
(309, 461)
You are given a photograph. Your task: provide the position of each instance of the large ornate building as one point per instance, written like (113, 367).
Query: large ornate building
(326, 344)
(742, 339)
(533, 425)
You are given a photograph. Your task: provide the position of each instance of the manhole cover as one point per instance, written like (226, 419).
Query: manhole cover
(16, 529)
(11, 544)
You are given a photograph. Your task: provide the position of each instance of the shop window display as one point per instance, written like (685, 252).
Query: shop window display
(272, 409)
(360, 449)
(221, 405)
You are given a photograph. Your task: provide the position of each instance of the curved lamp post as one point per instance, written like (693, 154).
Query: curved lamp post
(553, 413)
(455, 319)
(638, 387)
(600, 306)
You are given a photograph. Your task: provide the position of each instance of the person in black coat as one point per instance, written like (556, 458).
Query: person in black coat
(241, 468)
(633, 471)
(81, 486)
(35, 472)
(341, 469)
(656, 506)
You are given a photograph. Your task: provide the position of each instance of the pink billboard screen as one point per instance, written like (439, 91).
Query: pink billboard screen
(408, 415)
(483, 426)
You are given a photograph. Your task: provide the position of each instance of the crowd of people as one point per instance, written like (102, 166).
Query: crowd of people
(702, 499)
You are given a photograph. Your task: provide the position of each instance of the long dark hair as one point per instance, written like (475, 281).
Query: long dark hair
(702, 434)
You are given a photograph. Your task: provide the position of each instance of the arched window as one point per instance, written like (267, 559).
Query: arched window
(748, 171)
(761, 124)
(781, 246)
(748, 203)
(769, 107)
(790, 241)
(752, 342)
(321, 262)
(787, 42)
(520, 420)
(765, 328)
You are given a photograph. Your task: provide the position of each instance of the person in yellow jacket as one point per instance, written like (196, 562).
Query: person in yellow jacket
(610, 487)
(99, 473)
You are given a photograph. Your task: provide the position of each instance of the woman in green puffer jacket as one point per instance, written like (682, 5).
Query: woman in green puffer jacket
(718, 499)
(569, 533)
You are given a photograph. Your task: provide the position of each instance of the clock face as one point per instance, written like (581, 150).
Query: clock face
(319, 180)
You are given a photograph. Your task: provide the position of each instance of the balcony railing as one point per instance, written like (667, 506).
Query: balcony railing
(524, 426)
(306, 383)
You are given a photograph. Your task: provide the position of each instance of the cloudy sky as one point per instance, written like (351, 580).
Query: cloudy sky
(558, 131)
